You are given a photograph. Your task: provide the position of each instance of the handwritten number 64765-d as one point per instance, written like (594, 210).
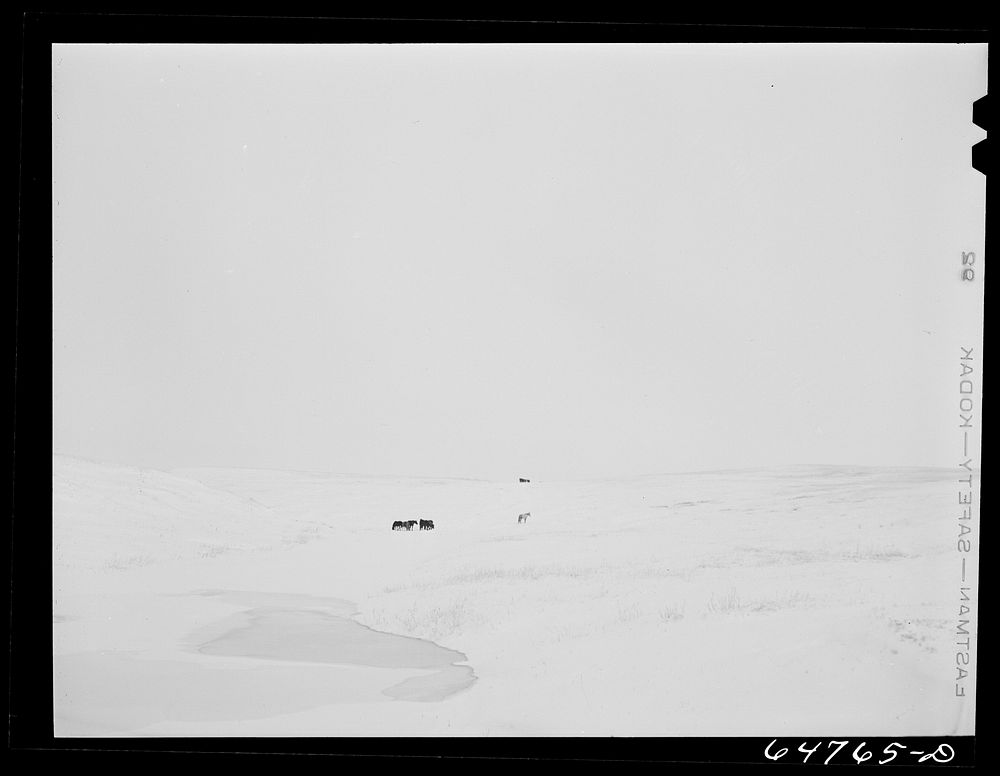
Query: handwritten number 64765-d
(942, 754)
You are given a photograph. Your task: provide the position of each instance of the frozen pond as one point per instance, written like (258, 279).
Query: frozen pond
(304, 629)
(280, 654)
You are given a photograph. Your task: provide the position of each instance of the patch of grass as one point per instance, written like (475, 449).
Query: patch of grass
(756, 556)
(448, 619)
(522, 573)
(654, 571)
(427, 622)
(595, 573)
(732, 603)
(760, 556)
(727, 603)
(668, 614)
(922, 632)
(786, 601)
(629, 613)
(305, 535)
(496, 574)
(860, 553)
(119, 562)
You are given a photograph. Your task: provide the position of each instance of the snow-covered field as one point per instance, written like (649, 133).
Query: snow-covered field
(798, 601)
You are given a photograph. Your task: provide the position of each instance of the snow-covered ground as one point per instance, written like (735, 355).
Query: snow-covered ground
(799, 601)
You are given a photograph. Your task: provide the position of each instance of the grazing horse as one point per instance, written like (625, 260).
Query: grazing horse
(521, 479)
(409, 524)
(523, 517)
(426, 525)
(397, 525)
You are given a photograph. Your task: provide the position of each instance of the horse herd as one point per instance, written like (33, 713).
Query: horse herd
(428, 525)
(407, 525)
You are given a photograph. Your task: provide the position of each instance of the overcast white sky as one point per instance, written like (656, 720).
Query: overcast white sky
(502, 260)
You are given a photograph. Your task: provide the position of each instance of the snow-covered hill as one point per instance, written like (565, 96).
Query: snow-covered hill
(802, 601)
(117, 517)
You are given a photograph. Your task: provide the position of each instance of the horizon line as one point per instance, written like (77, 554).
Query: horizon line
(515, 477)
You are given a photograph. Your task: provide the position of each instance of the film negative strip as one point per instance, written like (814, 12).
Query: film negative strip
(522, 400)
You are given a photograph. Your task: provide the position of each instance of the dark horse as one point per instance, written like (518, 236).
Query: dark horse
(426, 525)
(523, 517)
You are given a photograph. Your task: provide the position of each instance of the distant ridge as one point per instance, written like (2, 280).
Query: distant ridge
(113, 517)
